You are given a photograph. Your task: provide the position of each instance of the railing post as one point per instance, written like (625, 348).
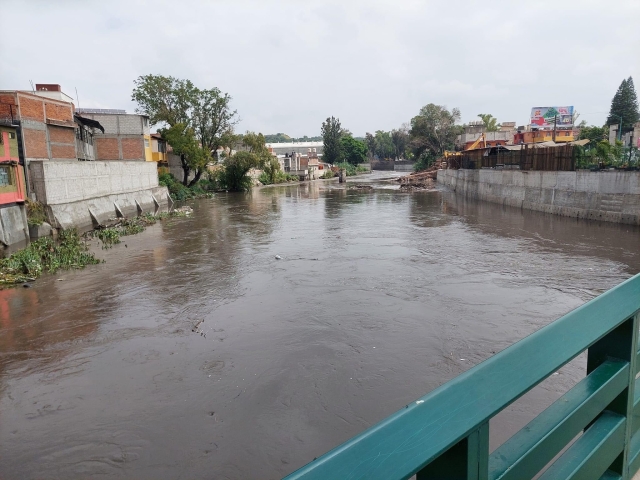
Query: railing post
(466, 460)
(622, 343)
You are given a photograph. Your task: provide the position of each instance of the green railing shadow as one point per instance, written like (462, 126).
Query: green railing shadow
(444, 435)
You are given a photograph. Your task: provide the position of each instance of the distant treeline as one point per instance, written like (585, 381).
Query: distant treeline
(284, 138)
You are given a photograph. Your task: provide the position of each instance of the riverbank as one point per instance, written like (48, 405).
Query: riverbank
(609, 196)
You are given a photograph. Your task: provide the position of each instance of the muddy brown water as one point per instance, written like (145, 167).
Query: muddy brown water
(378, 297)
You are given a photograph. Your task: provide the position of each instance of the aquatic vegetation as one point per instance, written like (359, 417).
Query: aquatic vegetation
(46, 255)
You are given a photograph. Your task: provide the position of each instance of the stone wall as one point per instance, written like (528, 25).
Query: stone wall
(83, 194)
(611, 196)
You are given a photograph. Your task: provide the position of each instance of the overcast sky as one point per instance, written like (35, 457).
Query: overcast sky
(290, 64)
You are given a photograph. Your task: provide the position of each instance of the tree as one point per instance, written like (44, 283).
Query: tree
(352, 150)
(331, 134)
(184, 143)
(490, 122)
(237, 165)
(370, 140)
(400, 140)
(625, 105)
(384, 144)
(433, 130)
(205, 114)
(594, 134)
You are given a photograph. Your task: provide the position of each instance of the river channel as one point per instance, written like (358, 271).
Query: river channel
(324, 310)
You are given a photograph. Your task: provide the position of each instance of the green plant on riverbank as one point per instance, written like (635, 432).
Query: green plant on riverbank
(328, 174)
(203, 189)
(35, 213)
(351, 169)
(278, 177)
(46, 255)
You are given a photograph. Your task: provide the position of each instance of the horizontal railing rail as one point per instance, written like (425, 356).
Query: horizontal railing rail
(445, 434)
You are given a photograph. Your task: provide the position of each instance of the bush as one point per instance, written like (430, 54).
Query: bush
(35, 213)
(46, 255)
(426, 160)
(361, 169)
(351, 169)
(328, 174)
(180, 192)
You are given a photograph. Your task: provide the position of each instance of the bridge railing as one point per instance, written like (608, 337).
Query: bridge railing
(445, 434)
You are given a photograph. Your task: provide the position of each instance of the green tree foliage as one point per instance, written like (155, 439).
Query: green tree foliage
(370, 140)
(331, 135)
(254, 154)
(490, 122)
(384, 144)
(352, 150)
(594, 134)
(284, 138)
(625, 105)
(400, 140)
(204, 115)
(433, 130)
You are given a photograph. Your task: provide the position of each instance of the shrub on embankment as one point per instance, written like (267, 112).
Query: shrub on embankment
(46, 255)
(204, 188)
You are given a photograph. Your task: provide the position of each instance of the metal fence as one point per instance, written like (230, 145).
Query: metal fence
(445, 434)
(526, 158)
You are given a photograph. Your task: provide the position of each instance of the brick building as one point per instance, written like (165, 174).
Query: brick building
(125, 137)
(46, 126)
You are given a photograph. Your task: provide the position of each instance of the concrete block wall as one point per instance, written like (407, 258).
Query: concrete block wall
(81, 194)
(65, 182)
(612, 196)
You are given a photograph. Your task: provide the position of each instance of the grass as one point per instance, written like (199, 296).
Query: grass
(110, 236)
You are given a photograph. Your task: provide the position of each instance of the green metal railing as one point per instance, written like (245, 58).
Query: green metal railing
(445, 434)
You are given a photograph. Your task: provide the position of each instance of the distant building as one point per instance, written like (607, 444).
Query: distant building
(528, 135)
(126, 136)
(297, 147)
(474, 131)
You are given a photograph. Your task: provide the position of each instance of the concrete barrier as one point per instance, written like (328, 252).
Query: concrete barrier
(13, 226)
(610, 196)
(86, 194)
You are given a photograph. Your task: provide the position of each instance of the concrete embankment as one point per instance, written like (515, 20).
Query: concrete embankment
(610, 196)
(85, 194)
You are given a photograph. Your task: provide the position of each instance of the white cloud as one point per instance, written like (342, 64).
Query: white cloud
(288, 65)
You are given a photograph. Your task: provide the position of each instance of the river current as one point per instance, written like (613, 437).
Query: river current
(318, 310)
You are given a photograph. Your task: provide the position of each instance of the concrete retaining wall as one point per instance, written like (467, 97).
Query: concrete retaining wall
(85, 194)
(14, 231)
(611, 196)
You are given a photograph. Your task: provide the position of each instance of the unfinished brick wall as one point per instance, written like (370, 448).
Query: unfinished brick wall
(35, 143)
(31, 109)
(106, 148)
(58, 112)
(133, 148)
(63, 152)
(61, 134)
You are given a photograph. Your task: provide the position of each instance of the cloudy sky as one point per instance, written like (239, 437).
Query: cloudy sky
(290, 64)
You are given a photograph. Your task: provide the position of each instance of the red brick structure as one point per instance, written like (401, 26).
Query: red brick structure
(47, 124)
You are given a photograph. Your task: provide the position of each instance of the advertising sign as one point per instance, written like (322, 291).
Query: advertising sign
(543, 117)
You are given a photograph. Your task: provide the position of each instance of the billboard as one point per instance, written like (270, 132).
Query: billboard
(543, 117)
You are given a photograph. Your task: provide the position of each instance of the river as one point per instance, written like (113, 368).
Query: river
(324, 310)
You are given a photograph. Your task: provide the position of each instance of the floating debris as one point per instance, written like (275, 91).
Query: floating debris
(278, 257)
(197, 326)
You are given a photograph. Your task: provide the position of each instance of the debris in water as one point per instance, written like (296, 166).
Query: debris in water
(26, 285)
(197, 325)
(418, 402)
(278, 257)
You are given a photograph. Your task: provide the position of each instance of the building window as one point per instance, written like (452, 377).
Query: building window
(146, 143)
(12, 135)
(145, 121)
(6, 176)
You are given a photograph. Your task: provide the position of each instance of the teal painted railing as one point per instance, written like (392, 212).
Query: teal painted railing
(445, 434)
